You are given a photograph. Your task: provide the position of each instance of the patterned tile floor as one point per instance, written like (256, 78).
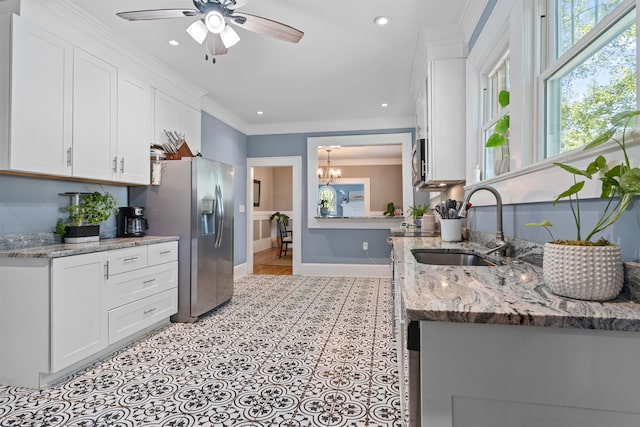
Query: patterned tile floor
(286, 351)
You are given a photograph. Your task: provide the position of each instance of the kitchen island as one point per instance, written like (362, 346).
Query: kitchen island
(66, 305)
(496, 348)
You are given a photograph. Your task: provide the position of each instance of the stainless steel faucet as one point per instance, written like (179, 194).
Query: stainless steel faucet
(501, 245)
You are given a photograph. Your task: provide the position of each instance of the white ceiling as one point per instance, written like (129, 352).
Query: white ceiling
(342, 70)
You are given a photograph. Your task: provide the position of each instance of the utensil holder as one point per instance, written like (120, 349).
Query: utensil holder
(451, 230)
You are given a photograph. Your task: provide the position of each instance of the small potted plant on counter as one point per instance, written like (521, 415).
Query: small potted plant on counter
(83, 223)
(417, 211)
(582, 268)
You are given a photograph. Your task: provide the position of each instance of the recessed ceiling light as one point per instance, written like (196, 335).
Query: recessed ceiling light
(260, 113)
(174, 42)
(381, 20)
(384, 105)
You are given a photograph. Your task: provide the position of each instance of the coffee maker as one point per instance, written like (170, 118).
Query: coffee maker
(131, 222)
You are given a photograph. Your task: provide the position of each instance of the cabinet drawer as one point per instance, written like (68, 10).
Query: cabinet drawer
(123, 260)
(163, 252)
(131, 286)
(133, 317)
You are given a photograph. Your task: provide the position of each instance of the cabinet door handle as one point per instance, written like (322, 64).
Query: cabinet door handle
(106, 270)
(122, 165)
(130, 259)
(115, 164)
(151, 310)
(165, 252)
(146, 282)
(69, 157)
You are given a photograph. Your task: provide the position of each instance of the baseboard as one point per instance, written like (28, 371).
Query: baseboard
(345, 270)
(239, 270)
(261, 245)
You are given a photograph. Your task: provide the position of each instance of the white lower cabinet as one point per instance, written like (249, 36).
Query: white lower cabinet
(78, 322)
(135, 316)
(83, 306)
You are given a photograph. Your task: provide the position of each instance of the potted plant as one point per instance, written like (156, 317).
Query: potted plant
(417, 211)
(324, 204)
(391, 210)
(582, 268)
(83, 222)
(500, 136)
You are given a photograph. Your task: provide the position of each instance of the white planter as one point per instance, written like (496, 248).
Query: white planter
(592, 273)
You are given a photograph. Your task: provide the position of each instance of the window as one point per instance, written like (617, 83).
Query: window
(592, 76)
(496, 118)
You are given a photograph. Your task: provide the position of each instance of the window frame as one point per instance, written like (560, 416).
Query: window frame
(578, 50)
(534, 178)
(487, 121)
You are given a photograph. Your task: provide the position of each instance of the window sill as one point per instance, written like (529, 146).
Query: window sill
(363, 222)
(543, 181)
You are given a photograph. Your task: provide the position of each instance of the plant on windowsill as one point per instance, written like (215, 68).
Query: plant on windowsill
(581, 268)
(500, 136)
(83, 223)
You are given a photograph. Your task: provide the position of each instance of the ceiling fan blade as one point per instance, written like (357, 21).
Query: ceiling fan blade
(145, 15)
(266, 26)
(234, 4)
(215, 45)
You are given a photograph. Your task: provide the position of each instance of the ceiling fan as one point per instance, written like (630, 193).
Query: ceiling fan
(214, 26)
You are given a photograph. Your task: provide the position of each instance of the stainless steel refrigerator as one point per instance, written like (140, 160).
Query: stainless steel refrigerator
(194, 201)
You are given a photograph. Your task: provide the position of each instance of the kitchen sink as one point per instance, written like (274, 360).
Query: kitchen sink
(450, 257)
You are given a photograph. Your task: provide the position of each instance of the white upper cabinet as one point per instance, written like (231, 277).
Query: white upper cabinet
(94, 117)
(66, 112)
(445, 121)
(173, 115)
(39, 100)
(134, 129)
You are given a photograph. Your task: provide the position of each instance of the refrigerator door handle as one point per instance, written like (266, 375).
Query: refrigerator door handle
(220, 216)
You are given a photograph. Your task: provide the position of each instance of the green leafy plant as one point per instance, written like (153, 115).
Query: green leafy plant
(98, 207)
(418, 210)
(391, 210)
(278, 215)
(93, 209)
(619, 182)
(501, 129)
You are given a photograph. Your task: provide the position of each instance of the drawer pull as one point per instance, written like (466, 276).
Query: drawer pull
(130, 259)
(151, 310)
(165, 252)
(149, 281)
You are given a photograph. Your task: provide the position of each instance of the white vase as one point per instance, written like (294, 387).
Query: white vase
(593, 273)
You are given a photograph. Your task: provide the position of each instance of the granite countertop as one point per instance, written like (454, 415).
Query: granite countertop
(510, 294)
(68, 249)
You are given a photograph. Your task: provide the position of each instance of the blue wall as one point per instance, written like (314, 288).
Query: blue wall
(323, 245)
(33, 205)
(625, 232)
(225, 144)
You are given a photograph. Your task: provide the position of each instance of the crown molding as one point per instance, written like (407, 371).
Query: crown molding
(435, 43)
(375, 123)
(79, 21)
(216, 110)
(470, 16)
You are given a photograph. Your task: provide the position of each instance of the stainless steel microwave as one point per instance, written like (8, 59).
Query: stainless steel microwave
(418, 163)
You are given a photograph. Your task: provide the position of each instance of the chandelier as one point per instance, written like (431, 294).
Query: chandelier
(328, 175)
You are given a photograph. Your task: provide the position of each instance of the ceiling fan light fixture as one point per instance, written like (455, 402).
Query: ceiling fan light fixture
(198, 31)
(229, 37)
(215, 22)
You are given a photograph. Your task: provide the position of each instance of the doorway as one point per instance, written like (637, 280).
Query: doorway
(273, 185)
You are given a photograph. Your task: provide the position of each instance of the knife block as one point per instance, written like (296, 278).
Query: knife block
(183, 151)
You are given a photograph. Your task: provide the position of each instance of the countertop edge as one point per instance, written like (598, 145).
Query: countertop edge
(71, 249)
